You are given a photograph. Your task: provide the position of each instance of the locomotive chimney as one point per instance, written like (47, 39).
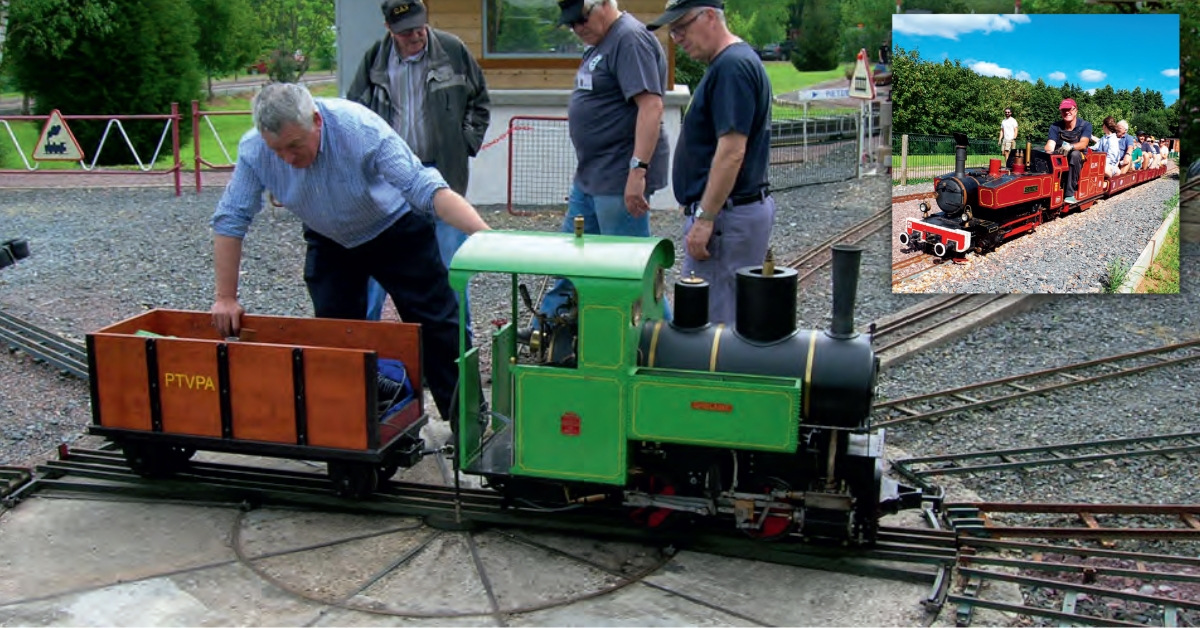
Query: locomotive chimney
(846, 260)
(960, 154)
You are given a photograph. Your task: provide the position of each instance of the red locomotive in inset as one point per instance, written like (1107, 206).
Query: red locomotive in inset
(983, 207)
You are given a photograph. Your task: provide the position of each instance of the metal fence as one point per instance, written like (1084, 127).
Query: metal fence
(808, 146)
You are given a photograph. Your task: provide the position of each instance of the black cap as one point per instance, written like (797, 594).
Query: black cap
(677, 8)
(572, 11)
(402, 15)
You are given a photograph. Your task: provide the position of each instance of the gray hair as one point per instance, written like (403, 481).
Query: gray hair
(1123, 125)
(592, 4)
(279, 104)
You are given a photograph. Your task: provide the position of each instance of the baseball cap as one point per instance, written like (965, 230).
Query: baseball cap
(402, 15)
(677, 8)
(1067, 104)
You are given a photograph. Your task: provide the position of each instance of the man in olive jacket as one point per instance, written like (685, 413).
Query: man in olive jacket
(426, 84)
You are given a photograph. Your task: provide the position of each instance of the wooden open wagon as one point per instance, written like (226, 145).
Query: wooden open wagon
(165, 384)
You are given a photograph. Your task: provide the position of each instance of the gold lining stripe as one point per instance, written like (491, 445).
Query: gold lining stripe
(654, 342)
(712, 359)
(812, 349)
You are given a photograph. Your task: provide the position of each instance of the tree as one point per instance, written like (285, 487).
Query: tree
(226, 39)
(875, 16)
(762, 21)
(294, 32)
(818, 46)
(138, 59)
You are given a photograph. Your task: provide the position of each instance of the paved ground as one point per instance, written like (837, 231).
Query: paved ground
(96, 561)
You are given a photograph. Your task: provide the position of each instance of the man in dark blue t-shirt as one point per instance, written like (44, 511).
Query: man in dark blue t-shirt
(1069, 136)
(720, 168)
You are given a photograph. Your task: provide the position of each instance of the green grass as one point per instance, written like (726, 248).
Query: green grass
(229, 129)
(1117, 271)
(785, 77)
(1163, 275)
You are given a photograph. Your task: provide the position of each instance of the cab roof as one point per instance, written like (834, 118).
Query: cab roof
(545, 253)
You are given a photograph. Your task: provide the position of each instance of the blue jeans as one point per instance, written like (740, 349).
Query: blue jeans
(602, 215)
(449, 239)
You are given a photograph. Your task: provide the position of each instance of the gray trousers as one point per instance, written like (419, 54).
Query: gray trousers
(740, 238)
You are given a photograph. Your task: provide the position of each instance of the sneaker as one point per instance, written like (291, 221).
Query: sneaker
(1070, 199)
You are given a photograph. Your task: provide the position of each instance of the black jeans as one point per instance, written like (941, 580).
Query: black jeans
(404, 259)
(1075, 161)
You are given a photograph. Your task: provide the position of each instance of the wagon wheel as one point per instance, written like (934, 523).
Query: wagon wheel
(353, 480)
(151, 461)
(386, 471)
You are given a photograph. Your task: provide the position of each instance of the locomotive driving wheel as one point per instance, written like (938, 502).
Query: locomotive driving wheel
(770, 525)
(650, 516)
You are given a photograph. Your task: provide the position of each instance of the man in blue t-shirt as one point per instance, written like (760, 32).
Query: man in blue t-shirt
(721, 160)
(1068, 136)
(615, 121)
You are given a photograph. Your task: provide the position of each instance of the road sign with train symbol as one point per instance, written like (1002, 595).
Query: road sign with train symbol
(57, 143)
(862, 84)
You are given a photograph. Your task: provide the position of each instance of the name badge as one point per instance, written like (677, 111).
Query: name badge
(583, 80)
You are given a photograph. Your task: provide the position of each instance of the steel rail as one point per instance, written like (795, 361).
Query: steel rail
(968, 303)
(89, 472)
(820, 255)
(912, 197)
(930, 306)
(1085, 552)
(1053, 454)
(970, 519)
(1027, 390)
(51, 348)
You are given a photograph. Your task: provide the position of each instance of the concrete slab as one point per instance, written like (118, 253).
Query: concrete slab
(53, 547)
(99, 562)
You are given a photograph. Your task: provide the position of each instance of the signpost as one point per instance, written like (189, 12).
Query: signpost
(57, 143)
(862, 86)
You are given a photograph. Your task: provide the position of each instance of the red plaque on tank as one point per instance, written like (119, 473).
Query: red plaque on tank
(711, 406)
(570, 424)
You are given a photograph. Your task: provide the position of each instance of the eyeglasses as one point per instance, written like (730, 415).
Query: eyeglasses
(583, 20)
(409, 32)
(1066, 111)
(678, 29)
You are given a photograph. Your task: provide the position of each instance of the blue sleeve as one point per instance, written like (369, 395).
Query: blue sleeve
(1054, 134)
(395, 163)
(242, 199)
(1086, 127)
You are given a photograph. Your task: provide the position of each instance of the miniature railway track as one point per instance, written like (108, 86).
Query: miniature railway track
(912, 197)
(105, 472)
(1074, 581)
(925, 318)
(1189, 191)
(898, 411)
(1167, 445)
(68, 356)
(920, 258)
(817, 257)
(1178, 521)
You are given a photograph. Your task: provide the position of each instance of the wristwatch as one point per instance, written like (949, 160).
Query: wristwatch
(638, 163)
(700, 214)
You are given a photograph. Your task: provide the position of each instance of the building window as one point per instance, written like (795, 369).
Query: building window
(527, 28)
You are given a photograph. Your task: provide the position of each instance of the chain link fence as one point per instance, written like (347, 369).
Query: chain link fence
(922, 157)
(808, 146)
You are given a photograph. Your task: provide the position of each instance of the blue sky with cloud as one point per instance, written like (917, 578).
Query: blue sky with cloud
(1029, 47)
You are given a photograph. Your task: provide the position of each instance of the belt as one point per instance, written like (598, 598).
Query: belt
(733, 201)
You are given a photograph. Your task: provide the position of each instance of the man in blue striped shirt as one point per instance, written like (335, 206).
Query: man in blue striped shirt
(367, 206)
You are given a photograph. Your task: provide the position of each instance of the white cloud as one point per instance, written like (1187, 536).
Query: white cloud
(1174, 92)
(1171, 72)
(951, 26)
(1091, 92)
(1056, 76)
(1092, 76)
(987, 68)
(1023, 76)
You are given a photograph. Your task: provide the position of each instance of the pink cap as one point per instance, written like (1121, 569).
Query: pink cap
(1067, 104)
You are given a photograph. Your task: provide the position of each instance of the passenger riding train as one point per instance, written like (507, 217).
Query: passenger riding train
(983, 207)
